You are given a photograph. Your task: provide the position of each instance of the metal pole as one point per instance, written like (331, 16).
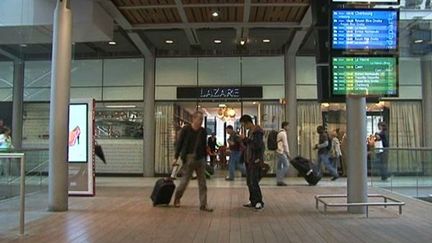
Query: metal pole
(426, 66)
(22, 195)
(291, 105)
(357, 153)
(18, 99)
(59, 107)
(149, 119)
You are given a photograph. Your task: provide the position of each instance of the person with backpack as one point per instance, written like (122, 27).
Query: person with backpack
(324, 146)
(235, 147)
(282, 154)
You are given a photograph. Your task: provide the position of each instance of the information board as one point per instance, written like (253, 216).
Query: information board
(365, 29)
(367, 1)
(373, 76)
(78, 142)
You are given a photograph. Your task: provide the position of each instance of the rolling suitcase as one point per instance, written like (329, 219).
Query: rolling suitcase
(307, 169)
(163, 191)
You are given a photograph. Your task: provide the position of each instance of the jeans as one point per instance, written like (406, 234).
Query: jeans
(234, 163)
(282, 167)
(252, 178)
(189, 167)
(325, 158)
(383, 165)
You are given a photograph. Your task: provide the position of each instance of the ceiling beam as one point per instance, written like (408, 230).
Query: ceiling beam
(211, 5)
(216, 25)
(189, 31)
(124, 23)
(299, 36)
(243, 32)
(113, 11)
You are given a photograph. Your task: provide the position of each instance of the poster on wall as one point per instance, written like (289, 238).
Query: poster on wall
(78, 135)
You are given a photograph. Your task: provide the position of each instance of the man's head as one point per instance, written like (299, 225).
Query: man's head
(246, 121)
(320, 129)
(230, 129)
(285, 125)
(382, 126)
(197, 118)
(213, 134)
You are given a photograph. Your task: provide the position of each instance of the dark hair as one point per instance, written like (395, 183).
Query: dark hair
(246, 119)
(284, 124)
(230, 127)
(320, 129)
(383, 125)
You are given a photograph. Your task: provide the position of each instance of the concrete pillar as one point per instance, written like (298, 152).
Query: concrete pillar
(59, 107)
(426, 71)
(357, 152)
(149, 118)
(17, 104)
(291, 103)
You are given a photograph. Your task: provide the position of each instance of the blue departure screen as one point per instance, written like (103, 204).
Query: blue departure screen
(364, 29)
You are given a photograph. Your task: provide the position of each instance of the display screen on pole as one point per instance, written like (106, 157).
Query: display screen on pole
(364, 29)
(368, 76)
(78, 137)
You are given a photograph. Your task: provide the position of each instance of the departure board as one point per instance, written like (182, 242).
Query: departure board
(369, 76)
(366, 1)
(364, 29)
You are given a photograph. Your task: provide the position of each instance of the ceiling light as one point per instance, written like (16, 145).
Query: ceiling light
(266, 41)
(418, 41)
(112, 43)
(23, 45)
(242, 42)
(217, 41)
(215, 14)
(169, 41)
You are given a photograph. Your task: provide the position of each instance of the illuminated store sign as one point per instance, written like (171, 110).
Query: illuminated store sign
(219, 92)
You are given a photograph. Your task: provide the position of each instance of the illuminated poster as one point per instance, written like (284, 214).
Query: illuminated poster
(78, 147)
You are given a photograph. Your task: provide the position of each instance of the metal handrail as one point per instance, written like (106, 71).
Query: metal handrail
(22, 184)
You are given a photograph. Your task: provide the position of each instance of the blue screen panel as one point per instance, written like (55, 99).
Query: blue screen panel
(364, 29)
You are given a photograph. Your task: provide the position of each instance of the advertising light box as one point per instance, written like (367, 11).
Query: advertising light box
(368, 76)
(78, 135)
(365, 29)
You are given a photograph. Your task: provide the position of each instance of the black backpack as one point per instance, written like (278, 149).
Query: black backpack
(272, 140)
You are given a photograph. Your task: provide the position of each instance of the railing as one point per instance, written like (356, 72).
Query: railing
(406, 171)
(20, 156)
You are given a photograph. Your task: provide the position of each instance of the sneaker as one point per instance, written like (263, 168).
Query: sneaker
(334, 178)
(248, 205)
(259, 206)
(281, 184)
(206, 209)
(229, 179)
(177, 203)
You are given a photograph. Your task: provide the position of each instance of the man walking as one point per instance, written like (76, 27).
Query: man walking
(191, 147)
(282, 155)
(235, 147)
(254, 160)
(324, 152)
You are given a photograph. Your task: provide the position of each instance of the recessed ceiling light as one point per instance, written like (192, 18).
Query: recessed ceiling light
(169, 41)
(418, 41)
(242, 42)
(266, 41)
(112, 43)
(215, 14)
(23, 45)
(217, 41)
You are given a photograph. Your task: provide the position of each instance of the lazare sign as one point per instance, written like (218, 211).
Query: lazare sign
(219, 92)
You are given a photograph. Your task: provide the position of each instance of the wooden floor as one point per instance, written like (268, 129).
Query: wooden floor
(125, 214)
